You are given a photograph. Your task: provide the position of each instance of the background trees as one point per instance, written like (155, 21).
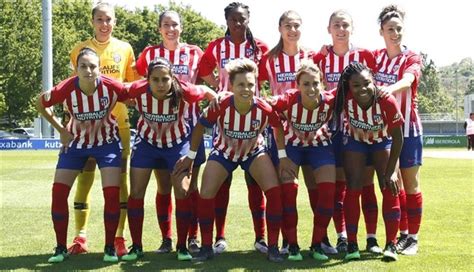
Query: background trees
(20, 52)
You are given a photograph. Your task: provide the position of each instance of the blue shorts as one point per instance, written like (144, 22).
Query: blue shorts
(316, 156)
(107, 155)
(272, 148)
(145, 155)
(349, 144)
(412, 152)
(338, 148)
(229, 165)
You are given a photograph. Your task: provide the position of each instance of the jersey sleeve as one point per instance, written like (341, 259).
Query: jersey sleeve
(281, 102)
(369, 59)
(392, 113)
(262, 69)
(142, 65)
(208, 62)
(191, 92)
(413, 66)
(131, 73)
(57, 94)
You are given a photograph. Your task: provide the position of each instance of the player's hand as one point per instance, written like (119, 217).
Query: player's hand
(384, 92)
(65, 137)
(391, 181)
(181, 183)
(272, 100)
(287, 170)
(324, 49)
(183, 165)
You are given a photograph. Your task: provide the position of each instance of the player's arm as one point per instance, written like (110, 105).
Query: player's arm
(390, 176)
(402, 85)
(185, 163)
(48, 114)
(212, 80)
(286, 169)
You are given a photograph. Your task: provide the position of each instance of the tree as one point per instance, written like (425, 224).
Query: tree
(21, 55)
(431, 99)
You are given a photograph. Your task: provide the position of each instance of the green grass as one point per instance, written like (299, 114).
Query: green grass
(27, 236)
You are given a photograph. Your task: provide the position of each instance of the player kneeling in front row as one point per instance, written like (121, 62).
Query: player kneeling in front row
(240, 121)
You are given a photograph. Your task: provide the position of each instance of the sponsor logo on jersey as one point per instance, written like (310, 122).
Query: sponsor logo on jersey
(363, 125)
(386, 78)
(180, 69)
(306, 127)
(225, 61)
(333, 77)
(241, 135)
(286, 77)
(160, 118)
(110, 69)
(95, 115)
(104, 101)
(116, 57)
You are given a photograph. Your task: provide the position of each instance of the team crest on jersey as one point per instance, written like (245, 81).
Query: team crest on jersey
(255, 124)
(322, 116)
(116, 57)
(395, 68)
(377, 118)
(104, 101)
(183, 57)
(248, 52)
(345, 140)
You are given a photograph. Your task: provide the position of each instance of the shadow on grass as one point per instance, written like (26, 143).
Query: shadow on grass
(246, 260)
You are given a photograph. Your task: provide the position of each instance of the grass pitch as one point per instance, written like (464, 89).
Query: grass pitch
(27, 236)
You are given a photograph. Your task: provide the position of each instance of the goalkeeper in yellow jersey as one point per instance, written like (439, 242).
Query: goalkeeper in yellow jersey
(117, 61)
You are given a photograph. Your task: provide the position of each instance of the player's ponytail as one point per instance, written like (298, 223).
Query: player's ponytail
(176, 92)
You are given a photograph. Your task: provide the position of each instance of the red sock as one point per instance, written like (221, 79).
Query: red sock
(60, 212)
(135, 213)
(339, 210)
(414, 210)
(183, 217)
(289, 192)
(164, 208)
(352, 213)
(206, 214)
(273, 214)
(193, 225)
(313, 199)
(403, 211)
(222, 202)
(370, 208)
(324, 211)
(257, 207)
(111, 212)
(391, 214)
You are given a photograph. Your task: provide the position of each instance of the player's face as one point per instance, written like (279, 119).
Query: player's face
(160, 82)
(103, 23)
(340, 28)
(243, 87)
(88, 68)
(392, 32)
(170, 28)
(362, 88)
(237, 21)
(290, 29)
(310, 86)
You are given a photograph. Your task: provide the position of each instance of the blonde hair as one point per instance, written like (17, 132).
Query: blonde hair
(239, 66)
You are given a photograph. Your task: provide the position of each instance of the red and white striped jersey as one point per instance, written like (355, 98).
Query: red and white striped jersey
(332, 65)
(371, 125)
(305, 127)
(388, 72)
(160, 124)
(280, 71)
(219, 52)
(239, 135)
(92, 122)
(185, 61)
